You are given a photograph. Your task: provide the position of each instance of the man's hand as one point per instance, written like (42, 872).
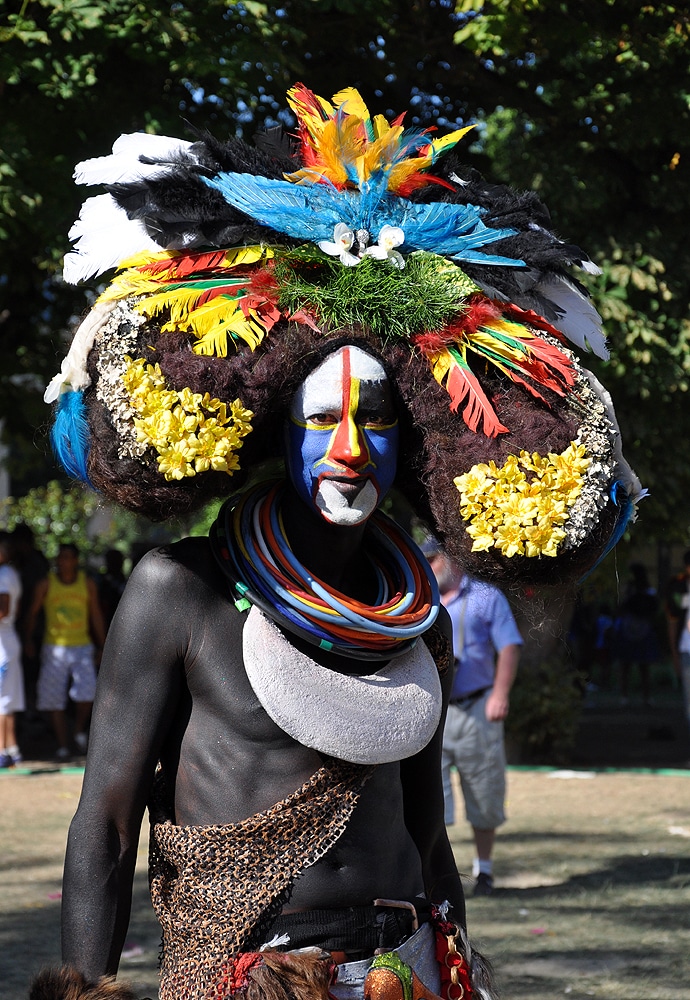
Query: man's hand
(497, 707)
(498, 702)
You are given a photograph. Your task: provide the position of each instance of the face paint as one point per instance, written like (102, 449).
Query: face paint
(343, 437)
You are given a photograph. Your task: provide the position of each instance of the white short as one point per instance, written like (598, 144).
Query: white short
(11, 675)
(475, 746)
(65, 671)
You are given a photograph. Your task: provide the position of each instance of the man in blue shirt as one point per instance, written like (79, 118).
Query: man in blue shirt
(487, 649)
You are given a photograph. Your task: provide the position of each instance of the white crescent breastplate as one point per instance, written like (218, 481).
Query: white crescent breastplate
(370, 719)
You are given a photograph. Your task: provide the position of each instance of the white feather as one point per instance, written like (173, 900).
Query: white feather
(103, 235)
(579, 320)
(73, 373)
(561, 304)
(590, 267)
(124, 163)
(623, 470)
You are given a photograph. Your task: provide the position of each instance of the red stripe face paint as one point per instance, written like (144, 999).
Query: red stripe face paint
(343, 437)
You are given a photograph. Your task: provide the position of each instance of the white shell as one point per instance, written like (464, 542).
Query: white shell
(370, 719)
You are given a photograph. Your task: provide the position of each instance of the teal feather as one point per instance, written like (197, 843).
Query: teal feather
(70, 435)
(623, 500)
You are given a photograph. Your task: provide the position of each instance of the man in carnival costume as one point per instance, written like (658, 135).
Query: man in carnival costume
(352, 301)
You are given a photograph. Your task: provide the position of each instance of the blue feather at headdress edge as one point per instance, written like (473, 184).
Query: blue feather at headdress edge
(625, 503)
(70, 435)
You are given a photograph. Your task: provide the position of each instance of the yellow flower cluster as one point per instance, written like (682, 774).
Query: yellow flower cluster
(521, 507)
(191, 433)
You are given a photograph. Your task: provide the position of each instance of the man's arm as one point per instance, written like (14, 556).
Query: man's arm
(40, 593)
(423, 805)
(498, 702)
(138, 689)
(95, 615)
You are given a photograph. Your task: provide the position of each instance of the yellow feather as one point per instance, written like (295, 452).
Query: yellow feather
(247, 255)
(482, 338)
(441, 364)
(350, 100)
(129, 283)
(212, 326)
(214, 343)
(381, 151)
(309, 118)
(145, 257)
(200, 320)
(400, 173)
(180, 302)
(512, 329)
(439, 145)
(381, 126)
(249, 328)
(338, 145)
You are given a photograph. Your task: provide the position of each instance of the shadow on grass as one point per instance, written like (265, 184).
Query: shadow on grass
(30, 940)
(34, 861)
(620, 872)
(548, 974)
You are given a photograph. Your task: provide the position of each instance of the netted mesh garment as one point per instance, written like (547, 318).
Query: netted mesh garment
(217, 889)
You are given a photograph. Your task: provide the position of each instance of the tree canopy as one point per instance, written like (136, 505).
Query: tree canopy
(588, 103)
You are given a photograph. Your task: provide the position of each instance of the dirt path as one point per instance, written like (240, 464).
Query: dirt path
(592, 898)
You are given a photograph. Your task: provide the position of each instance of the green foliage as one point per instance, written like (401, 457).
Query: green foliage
(588, 103)
(58, 514)
(591, 107)
(545, 705)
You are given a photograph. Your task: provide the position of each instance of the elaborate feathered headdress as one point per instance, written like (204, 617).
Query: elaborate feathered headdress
(235, 264)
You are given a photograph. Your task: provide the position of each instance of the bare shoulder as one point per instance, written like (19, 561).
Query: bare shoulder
(178, 564)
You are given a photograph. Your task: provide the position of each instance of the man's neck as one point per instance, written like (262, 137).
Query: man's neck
(448, 596)
(329, 551)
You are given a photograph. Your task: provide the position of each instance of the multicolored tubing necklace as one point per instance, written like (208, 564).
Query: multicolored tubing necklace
(249, 543)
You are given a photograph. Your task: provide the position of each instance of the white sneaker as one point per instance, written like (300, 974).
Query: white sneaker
(81, 741)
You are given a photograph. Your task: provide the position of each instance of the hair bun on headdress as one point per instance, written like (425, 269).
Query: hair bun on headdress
(239, 267)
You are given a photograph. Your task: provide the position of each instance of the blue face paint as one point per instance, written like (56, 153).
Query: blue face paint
(342, 437)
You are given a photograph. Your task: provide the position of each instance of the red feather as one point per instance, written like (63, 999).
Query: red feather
(213, 293)
(548, 356)
(463, 384)
(531, 318)
(433, 342)
(185, 264)
(421, 180)
(479, 311)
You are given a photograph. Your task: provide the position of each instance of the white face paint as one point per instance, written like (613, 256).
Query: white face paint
(342, 437)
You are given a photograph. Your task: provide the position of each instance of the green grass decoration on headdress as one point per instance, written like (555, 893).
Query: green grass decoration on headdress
(390, 301)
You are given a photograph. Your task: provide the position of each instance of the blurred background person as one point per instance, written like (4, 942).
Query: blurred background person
(677, 608)
(11, 677)
(32, 567)
(486, 643)
(68, 671)
(636, 639)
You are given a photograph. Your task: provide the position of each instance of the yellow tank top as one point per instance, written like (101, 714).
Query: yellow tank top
(67, 612)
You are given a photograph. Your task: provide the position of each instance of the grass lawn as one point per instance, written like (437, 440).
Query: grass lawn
(592, 891)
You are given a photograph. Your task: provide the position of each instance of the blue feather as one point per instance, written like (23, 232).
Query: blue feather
(624, 501)
(311, 212)
(70, 435)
